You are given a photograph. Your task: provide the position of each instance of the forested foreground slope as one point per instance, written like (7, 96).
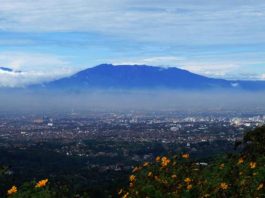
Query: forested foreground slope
(241, 174)
(232, 175)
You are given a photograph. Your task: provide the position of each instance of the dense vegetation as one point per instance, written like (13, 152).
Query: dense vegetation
(86, 175)
(240, 174)
(233, 175)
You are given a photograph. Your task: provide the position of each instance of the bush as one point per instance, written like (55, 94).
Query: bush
(237, 175)
(31, 190)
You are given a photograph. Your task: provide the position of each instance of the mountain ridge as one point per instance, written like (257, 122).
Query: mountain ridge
(6, 69)
(108, 76)
(141, 77)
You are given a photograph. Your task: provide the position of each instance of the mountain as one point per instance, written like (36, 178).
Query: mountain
(6, 69)
(126, 77)
(108, 76)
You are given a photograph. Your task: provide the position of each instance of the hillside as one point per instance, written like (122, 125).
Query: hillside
(233, 175)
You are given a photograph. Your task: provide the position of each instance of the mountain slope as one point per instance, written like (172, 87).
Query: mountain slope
(107, 76)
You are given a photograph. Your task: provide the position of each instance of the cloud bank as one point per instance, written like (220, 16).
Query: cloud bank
(214, 38)
(33, 68)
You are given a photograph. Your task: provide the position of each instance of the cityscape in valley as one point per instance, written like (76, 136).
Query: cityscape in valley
(163, 127)
(108, 145)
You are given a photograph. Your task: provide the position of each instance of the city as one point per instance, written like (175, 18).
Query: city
(166, 127)
(109, 145)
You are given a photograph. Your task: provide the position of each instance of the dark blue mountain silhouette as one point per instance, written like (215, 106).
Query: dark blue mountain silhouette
(6, 69)
(107, 76)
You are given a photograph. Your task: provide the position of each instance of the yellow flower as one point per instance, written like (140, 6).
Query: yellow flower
(240, 161)
(135, 169)
(150, 174)
(163, 158)
(158, 158)
(164, 161)
(119, 193)
(187, 180)
(222, 166)
(260, 187)
(157, 179)
(252, 165)
(41, 183)
(146, 164)
(132, 178)
(185, 156)
(126, 195)
(164, 181)
(224, 186)
(189, 187)
(174, 176)
(12, 190)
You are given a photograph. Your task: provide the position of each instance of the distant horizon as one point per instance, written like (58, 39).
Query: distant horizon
(219, 39)
(12, 72)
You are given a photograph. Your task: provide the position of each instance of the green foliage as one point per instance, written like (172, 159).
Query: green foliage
(28, 190)
(254, 141)
(237, 175)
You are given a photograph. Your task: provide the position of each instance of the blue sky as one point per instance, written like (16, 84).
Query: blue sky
(48, 39)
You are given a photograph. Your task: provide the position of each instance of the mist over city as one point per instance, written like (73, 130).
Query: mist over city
(141, 100)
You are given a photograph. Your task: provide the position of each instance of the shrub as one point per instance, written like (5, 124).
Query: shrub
(237, 175)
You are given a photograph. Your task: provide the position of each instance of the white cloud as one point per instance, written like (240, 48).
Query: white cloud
(34, 67)
(23, 60)
(262, 77)
(225, 67)
(11, 79)
(157, 61)
(179, 21)
(214, 69)
(159, 28)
